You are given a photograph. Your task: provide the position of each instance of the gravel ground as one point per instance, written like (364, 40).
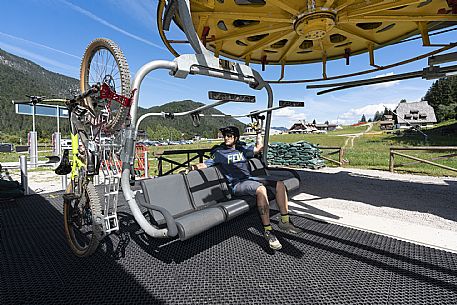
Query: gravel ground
(420, 209)
(409, 207)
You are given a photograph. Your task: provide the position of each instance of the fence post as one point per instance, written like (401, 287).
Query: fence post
(24, 175)
(146, 164)
(340, 156)
(391, 161)
(159, 165)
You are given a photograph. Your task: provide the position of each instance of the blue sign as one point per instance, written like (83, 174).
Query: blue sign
(42, 110)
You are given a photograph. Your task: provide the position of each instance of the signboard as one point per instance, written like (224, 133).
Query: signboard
(42, 110)
(223, 96)
(291, 104)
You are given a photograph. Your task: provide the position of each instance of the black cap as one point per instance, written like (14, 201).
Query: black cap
(230, 130)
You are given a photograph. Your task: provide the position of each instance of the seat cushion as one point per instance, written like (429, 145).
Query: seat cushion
(169, 192)
(234, 207)
(205, 187)
(256, 167)
(199, 221)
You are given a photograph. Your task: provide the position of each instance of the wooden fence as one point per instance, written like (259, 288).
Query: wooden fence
(336, 150)
(394, 152)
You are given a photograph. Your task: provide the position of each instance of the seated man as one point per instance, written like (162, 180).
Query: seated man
(231, 156)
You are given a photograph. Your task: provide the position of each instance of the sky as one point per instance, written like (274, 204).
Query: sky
(55, 33)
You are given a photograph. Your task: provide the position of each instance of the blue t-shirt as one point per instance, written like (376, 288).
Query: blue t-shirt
(233, 162)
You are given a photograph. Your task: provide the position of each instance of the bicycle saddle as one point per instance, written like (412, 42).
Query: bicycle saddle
(64, 167)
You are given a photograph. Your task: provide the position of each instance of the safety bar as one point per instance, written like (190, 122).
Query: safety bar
(231, 98)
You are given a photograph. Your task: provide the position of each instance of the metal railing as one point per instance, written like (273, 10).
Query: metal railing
(394, 152)
(199, 153)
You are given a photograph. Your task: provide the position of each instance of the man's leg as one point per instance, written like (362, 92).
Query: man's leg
(283, 203)
(257, 189)
(281, 198)
(263, 205)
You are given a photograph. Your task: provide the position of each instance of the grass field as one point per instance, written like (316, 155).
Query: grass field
(369, 151)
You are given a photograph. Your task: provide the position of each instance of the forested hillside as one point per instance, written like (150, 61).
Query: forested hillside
(20, 77)
(442, 96)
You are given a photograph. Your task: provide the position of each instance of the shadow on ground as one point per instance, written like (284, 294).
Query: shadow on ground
(229, 264)
(436, 199)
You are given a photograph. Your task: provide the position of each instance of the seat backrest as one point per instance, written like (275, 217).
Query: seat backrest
(207, 186)
(257, 168)
(169, 192)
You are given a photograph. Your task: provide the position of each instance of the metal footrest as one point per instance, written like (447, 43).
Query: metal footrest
(111, 223)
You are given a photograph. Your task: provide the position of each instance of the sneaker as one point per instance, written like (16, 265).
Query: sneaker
(289, 227)
(272, 240)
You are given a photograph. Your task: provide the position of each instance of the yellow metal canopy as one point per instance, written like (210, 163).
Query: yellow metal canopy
(296, 31)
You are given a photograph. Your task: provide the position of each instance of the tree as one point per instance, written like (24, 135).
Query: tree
(363, 119)
(314, 121)
(326, 123)
(370, 120)
(377, 116)
(442, 96)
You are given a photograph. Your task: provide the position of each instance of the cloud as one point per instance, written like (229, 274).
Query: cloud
(39, 45)
(38, 58)
(288, 114)
(143, 11)
(110, 25)
(386, 84)
(369, 111)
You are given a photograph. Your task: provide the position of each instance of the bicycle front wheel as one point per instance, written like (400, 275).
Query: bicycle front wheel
(104, 63)
(81, 228)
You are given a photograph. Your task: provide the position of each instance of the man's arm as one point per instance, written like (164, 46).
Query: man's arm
(258, 143)
(197, 166)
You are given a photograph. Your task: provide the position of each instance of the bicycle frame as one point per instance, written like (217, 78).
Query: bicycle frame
(76, 162)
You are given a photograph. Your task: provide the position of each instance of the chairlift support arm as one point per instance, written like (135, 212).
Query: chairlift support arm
(432, 72)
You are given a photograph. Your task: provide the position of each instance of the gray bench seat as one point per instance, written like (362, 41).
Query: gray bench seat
(201, 199)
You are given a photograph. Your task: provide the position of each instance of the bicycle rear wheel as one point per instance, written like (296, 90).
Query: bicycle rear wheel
(104, 62)
(81, 228)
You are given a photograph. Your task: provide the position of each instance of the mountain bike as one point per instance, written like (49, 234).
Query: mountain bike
(95, 115)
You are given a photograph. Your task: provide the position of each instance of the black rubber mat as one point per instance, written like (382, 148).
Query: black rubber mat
(229, 264)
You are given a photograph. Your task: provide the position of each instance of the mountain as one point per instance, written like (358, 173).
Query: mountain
(20, 77)
(280, 128)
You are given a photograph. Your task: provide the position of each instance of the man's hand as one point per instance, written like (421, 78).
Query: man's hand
(258, 143)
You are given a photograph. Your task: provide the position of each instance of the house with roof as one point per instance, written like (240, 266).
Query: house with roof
(387, 122)
(417, 114)
(302, 127)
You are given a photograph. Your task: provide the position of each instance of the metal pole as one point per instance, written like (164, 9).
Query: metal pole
(24, 175)
(33, 148)
(64, 182)
(146, 165)
(33, 117)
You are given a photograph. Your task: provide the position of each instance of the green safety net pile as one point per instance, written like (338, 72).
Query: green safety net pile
(299, 154)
